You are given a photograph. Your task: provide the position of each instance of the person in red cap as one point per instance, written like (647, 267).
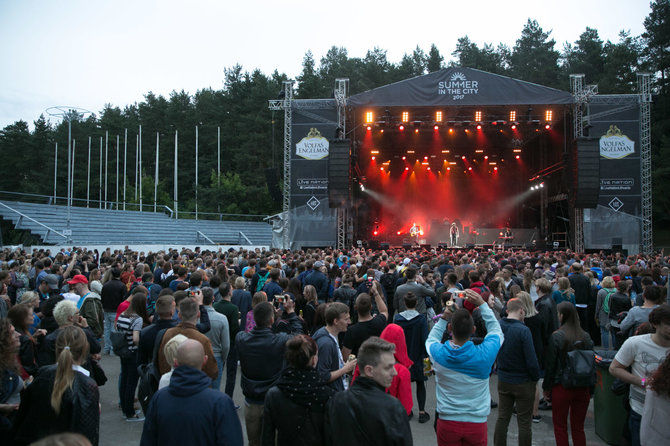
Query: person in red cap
(89, 304)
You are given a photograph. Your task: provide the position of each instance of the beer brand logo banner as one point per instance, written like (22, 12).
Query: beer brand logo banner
(458, 86)
(313, 146)
(615, 145)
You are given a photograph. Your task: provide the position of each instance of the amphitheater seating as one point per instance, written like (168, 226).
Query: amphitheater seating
(104, 226)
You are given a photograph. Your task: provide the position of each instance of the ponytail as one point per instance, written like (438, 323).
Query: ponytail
(71, 347)
(64, 378)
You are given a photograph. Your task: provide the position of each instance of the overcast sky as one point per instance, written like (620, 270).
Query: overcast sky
(87, 53)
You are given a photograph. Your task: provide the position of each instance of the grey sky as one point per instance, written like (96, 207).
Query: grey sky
(86, 53)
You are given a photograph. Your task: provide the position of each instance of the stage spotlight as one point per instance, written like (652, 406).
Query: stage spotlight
(548, 115)
(518, 157)
(381, 131)
(486, 157)
(467, 131)
(405, 116)
(478, 116)
(448, 169)
(381, 168)
(463, 157)
(479, 126)
(451, 130)
(374, 158)
(425, 157)
(541, 184)
(369, 128)
(436, 127)
(362, 187)
(399, 232)
(368, 117)
(438, 116)
(547, 126)
(404, 157)
(495, 168)
(513, 126)
(401, 128)
(512, 115)
(416, 130)
(406, 168)
(470, 168)
(428, 168)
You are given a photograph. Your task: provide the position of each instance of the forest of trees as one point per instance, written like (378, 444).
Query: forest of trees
(251, 135)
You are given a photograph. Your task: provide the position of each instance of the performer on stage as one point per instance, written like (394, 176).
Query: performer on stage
(415, 231)
(453, 232)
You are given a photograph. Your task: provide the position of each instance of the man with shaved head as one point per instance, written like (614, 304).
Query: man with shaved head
(205, 416)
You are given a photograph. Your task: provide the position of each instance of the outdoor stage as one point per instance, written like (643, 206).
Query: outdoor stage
(476, 149)
(476, 165)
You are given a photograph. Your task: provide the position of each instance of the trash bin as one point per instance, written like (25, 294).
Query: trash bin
(609, 413)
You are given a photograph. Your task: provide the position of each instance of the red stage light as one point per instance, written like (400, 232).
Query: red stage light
(375, 233)
(467, 131)
(416, 130)
(369, 128)
(381, 168)
(448, 168)
(513, 127)
(451, 130)
(463, 157)
(406, 168)
(436, 127)
(381, 131)
(479, 127)
(495, 168)
(374, 158)
(399, 232)
(486, 157)
(469, 168)
(428, 167)
(404, 157)
(547, 126)
(518, 157)
(425, 157)
(401, 128)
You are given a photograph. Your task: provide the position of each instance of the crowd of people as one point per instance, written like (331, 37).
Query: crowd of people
(333, 346)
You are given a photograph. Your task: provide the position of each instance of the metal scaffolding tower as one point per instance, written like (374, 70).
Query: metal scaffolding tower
(581, 95)
(644, 92)
(285, 103)
(341, 93)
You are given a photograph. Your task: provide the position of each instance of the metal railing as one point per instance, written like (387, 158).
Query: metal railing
(22, 216)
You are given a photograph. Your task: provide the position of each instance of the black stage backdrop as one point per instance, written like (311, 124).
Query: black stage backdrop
(313, 222)
(618, 217)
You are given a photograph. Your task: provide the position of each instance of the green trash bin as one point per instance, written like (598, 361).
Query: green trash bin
(609, 414)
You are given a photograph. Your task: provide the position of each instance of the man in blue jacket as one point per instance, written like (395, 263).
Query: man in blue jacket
(462, 373)
(518, 372)
(188, 411)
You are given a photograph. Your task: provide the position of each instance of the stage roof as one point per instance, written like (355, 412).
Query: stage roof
(457, 86)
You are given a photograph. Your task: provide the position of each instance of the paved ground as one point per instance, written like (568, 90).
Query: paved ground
(115, 431)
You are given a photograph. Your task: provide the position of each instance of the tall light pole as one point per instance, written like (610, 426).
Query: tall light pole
(68, 114)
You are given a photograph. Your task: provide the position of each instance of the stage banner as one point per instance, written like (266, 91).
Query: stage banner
(618, 217)
(313, 222)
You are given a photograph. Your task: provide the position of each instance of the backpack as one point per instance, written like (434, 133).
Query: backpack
(150, 376)
(261, 281)
(579, 369)
(606, 302)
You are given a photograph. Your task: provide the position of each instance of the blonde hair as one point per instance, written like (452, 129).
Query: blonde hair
(527, 303)
(63, 311)
(28, 298)
(563, 283)
(309, 293)
(239, 283)
(71, 347)
(608, 282)
(171, 346)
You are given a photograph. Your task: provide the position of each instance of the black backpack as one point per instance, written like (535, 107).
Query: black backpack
(149, 375)
(579, 369)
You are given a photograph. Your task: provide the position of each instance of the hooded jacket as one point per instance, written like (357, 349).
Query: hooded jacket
(415, 328)
(188, 411)
(462, 373)
(329, 358)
